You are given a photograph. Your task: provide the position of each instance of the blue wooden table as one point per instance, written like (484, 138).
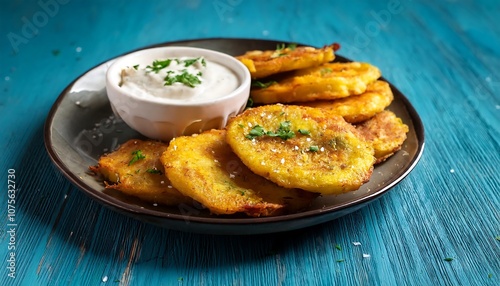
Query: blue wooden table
(439, 226)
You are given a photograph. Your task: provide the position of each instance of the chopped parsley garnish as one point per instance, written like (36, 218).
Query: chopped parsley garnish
(249, 103)
(263, 84)
(192, 61)
(280, 49)
(304, 132)
(185, 78)
(136, 156)
(256, 131)
(282, 132)
(340, 260)
(338, 247)
(497, 237)
(283, 46)
(136, 67)
(159, 65)
(448, 259)
(325, 71)
(154, 171)
(314, 148)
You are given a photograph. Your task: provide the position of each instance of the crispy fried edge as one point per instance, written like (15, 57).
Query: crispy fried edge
(110, 182)
(359, 108)
(311, 84)
(262, 63)
(377, 127)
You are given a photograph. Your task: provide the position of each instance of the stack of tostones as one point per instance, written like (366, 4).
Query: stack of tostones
(352, 90)
(274, 158)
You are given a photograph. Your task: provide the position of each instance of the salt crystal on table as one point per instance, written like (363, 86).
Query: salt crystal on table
(366, 255)
(357, 243)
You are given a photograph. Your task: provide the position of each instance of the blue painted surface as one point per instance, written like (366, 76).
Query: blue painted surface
(444, 56)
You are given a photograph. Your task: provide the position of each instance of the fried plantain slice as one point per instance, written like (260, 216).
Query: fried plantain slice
(265, 63)
(135, 169)
(204, 168)
(386, 132)
(358, 108)
(301, 147)
(325, 82)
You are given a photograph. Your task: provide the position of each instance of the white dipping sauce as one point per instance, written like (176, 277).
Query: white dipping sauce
(180, 79)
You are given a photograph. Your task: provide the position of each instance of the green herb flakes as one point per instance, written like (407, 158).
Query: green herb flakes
(338, 247)
(304, 132)
(280, 47)
(136, 156)
(189, 62)
(325, 71)
(340, 260)
(256, 131)
(249, 103)
(185, 78)
(449, 259)
(154, 171)
(159, 65)
(263, 84)
(282, 132)
(292, 46)
(314, 148)
(278, 52)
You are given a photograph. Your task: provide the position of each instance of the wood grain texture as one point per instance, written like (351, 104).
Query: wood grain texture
(444, 56)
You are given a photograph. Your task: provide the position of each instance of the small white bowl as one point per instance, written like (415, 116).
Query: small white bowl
(165, 119)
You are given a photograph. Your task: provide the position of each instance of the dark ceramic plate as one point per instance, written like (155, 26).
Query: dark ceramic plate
(81, 127)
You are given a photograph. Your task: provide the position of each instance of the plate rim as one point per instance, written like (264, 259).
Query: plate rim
(126, 208)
